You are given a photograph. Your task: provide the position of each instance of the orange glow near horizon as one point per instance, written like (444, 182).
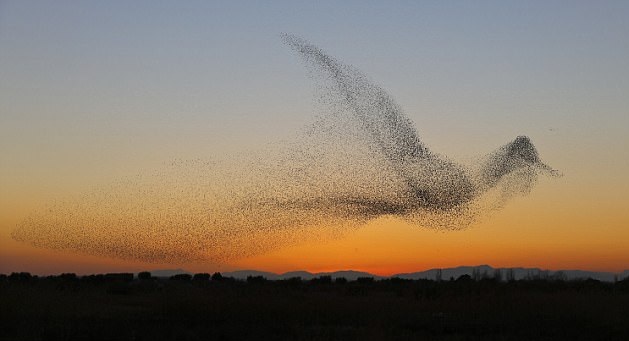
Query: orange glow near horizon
(386, 247)
(513, 237)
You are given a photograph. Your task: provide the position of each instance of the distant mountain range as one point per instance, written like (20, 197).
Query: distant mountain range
(446, 274)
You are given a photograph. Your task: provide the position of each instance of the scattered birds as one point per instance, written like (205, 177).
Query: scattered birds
(360, 160)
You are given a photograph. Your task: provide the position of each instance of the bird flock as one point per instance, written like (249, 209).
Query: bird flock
(361, 159)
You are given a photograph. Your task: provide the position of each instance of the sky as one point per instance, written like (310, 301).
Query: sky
(94, 91)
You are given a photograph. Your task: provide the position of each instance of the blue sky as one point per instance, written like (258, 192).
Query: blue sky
(452, 65)
(92, 90)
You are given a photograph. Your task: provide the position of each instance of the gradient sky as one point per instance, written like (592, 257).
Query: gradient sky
(92, 91)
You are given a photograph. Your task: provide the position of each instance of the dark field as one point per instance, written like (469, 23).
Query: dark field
(120, 308)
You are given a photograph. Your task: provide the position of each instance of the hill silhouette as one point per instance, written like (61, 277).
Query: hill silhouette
(446, 273)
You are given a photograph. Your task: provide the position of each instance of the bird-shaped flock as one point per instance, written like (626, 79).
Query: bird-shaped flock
(361, 160)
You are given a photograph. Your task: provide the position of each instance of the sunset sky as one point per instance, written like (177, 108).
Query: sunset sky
(93, 91)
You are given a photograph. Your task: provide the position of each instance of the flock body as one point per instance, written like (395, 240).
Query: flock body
(360, 160)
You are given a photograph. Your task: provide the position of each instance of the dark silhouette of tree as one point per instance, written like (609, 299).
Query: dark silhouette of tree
(68, 277)
(340, 280)
(560, 276)
(438, 275)
(464, 279)
(217, 276)
(123, 277)
(293, 282)
(623, 284)
(201, 277)
(322, 280)
(20, 276)
(498, 275)
(181, 277)
(510, 275)
(364, 280)
(476, 274)
(256, 279)
(144, 275)
(544, 275)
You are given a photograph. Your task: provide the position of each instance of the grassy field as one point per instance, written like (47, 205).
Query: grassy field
(118, 308)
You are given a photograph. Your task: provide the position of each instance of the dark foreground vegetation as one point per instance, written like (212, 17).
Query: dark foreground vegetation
(204, 307)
